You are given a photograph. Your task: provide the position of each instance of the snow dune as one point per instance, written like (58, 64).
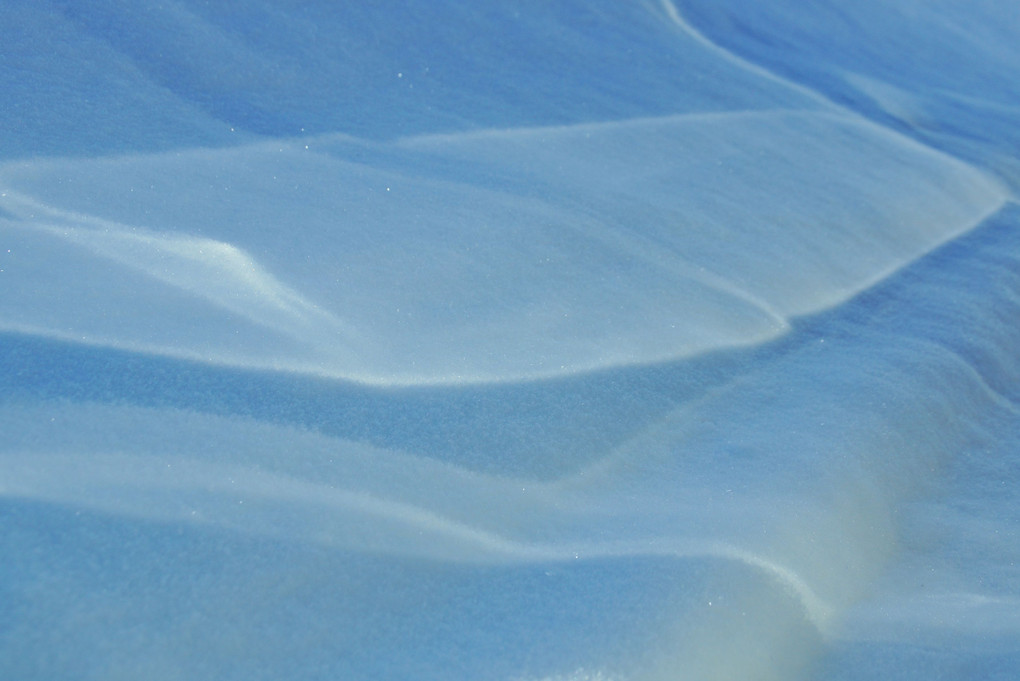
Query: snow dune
(534, 253)
(517, 341)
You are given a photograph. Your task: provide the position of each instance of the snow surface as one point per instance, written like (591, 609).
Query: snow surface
(526, 341)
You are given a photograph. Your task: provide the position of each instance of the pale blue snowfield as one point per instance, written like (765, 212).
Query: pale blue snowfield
(559, 341)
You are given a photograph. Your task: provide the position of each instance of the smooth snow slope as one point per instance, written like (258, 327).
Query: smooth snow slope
(605, 340)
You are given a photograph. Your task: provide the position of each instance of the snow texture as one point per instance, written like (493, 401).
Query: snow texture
(524, 341)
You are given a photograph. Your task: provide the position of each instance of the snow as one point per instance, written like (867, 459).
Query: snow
(510, 341)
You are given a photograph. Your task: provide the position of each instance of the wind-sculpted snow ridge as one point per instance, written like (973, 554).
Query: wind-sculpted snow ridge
(956, 91)
(194, 74)
(529, 341)
(768, 534)
(533, 253)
